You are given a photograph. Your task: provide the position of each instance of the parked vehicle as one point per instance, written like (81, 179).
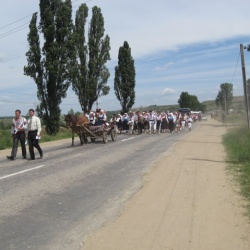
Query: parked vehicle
(204, 118)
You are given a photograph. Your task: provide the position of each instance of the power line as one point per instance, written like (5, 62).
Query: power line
(32, 102)
(10, 32)
(14, 30)
(15, 21)
(5, 101)
(235, 67)
(18, 93)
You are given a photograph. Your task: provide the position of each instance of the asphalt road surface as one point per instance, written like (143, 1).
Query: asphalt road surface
(54, 202)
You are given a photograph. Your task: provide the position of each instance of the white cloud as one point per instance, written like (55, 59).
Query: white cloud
(4, 98)
(2, 57)
(164, 67)
(167, 25)
(168, 91)
(192, 36)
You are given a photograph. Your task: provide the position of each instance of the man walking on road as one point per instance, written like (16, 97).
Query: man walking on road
(34, 131)
(18, 127)
(139, 120)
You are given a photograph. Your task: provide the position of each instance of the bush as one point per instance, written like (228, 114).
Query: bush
(237, 144)
(6, 139)
(5, 123)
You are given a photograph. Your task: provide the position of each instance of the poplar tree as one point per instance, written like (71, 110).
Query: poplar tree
(50, 65)
(225, 96)
(124, 82)
(90, 74)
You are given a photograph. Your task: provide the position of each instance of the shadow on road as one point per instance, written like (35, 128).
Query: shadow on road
(212, 142)
(197, 159)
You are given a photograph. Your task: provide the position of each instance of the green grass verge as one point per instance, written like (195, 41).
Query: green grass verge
(6, 138)
(237, 144)
(62, 134)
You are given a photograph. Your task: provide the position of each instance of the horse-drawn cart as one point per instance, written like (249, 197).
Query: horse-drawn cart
(96, 132)
(84, 129)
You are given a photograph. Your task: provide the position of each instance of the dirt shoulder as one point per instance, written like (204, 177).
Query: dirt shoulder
(188, 201)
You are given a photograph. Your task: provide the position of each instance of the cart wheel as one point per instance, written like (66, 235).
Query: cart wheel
(105, 137)
(113, 134)
(92, 139)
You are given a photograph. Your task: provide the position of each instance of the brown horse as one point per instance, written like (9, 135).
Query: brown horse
(76, 124)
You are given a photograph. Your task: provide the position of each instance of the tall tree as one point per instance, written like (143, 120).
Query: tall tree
(184, 100)
(49, 66)
(189, 101)
(124, 82)
(225, 96)
(90, 75)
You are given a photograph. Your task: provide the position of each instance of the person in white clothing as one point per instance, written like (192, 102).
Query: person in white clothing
(92, 118)
(131, 122)
(34, 134)
(151, 121)
(18, 128)
(190, 121)
(158, 122)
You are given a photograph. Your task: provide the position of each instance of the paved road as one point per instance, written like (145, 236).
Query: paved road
(55, 202)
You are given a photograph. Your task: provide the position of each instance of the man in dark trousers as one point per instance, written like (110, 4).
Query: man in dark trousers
(34, 133)
(18, 127)
(140, 121)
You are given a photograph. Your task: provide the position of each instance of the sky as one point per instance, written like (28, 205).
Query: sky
(178, 46)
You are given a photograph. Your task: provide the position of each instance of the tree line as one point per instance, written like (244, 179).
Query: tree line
(63, 53)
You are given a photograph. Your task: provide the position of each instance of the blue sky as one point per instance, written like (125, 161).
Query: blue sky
(181, 45)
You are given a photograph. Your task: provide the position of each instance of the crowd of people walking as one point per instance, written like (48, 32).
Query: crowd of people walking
(150, 122)
(145, 122)
(153, 122)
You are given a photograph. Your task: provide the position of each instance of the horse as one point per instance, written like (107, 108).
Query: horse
(76, 124)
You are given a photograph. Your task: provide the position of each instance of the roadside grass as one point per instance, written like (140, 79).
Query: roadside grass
(6, 138)
(237, 118)
(237, 144)
(234, 119)
(62, 134)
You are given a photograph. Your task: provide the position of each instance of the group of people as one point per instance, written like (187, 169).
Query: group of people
(97, 118)
(22, 128)
(152, 122)
(149, 122)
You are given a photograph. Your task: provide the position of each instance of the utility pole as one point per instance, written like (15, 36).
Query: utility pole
(244, 82)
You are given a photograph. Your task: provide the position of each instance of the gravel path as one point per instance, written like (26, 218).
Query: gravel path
(188, 202)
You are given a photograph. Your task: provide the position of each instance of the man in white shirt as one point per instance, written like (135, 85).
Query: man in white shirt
(18, 127)
(151, 121)
(34, 133)
(131, 122)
